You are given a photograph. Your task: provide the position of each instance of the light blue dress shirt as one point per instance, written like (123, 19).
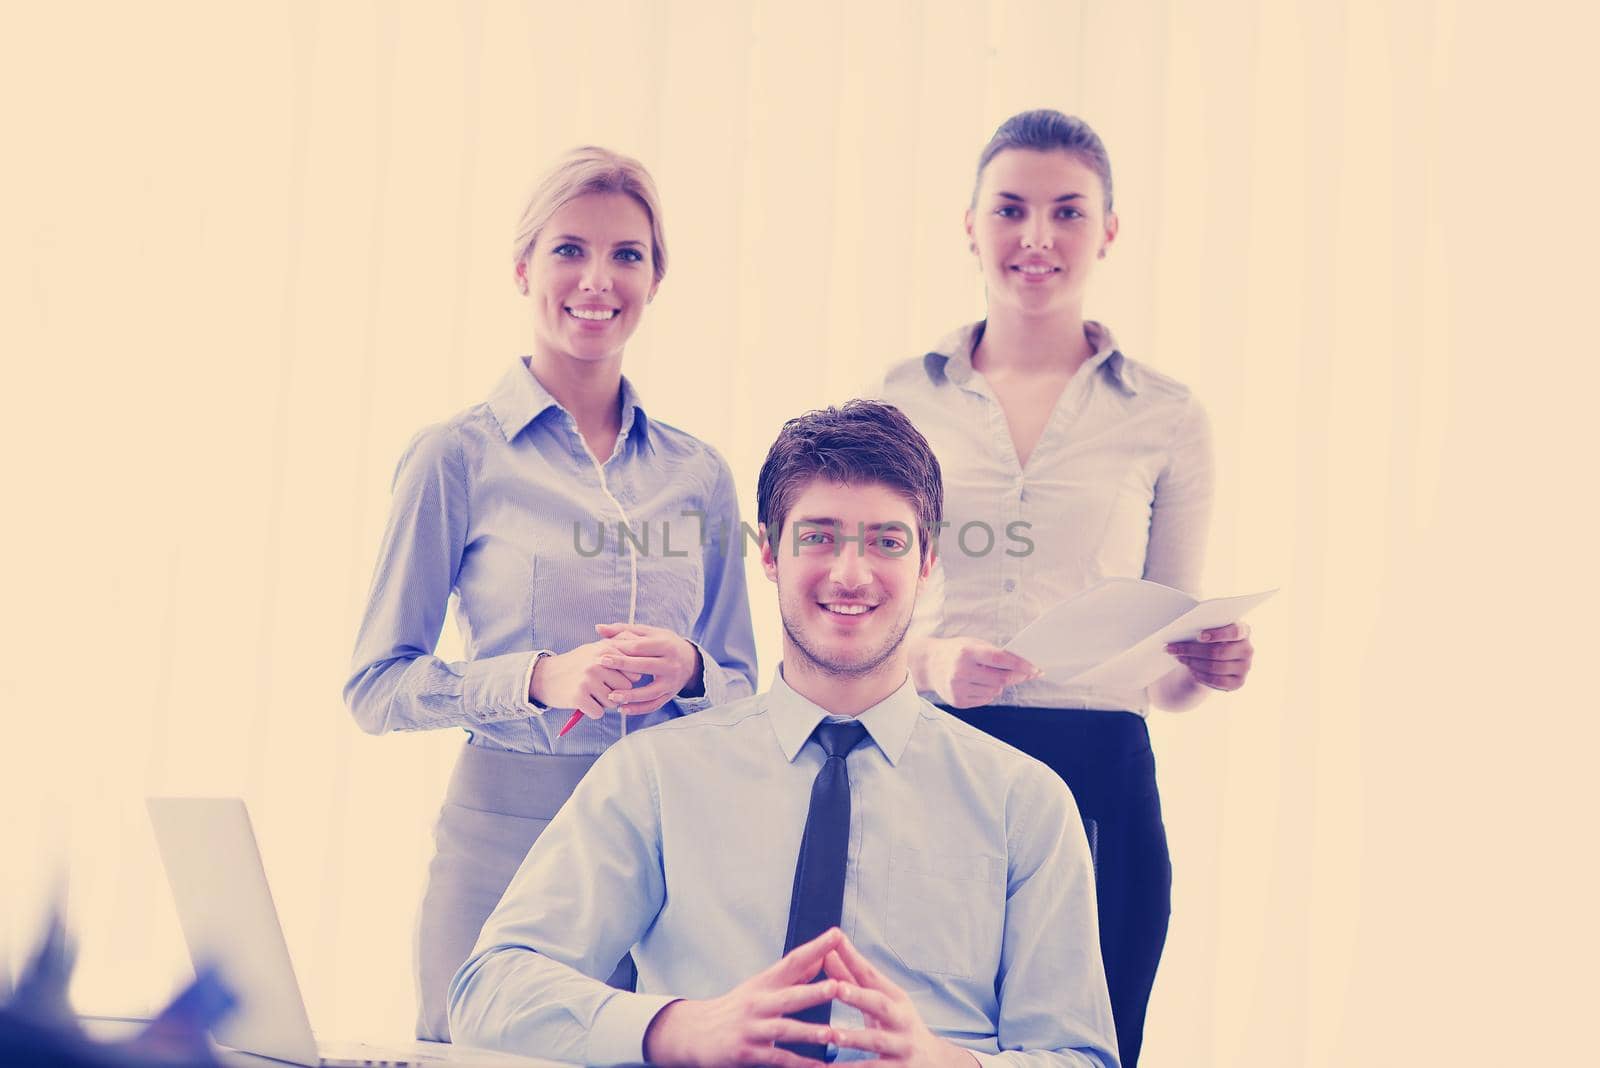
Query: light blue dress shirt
(1119, 485)
(505, 507)
(968, 882)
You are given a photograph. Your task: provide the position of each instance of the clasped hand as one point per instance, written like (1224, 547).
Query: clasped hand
(605, 674)
(743, 1026)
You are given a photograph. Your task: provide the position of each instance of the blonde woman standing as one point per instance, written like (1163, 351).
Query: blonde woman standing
(1064, 462)
(571, 527)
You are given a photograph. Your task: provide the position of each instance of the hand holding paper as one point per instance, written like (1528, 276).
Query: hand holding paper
(1219, 658)
(1115, 633)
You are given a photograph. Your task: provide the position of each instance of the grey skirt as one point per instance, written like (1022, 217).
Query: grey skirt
(495, 808)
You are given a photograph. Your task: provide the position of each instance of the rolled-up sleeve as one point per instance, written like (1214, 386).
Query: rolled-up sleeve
(588, 890)
(396, 683)
(723, 633)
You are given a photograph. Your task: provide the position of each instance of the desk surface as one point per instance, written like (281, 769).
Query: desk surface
(104, 1029)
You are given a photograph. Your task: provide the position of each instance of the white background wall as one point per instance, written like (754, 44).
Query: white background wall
(251, 248)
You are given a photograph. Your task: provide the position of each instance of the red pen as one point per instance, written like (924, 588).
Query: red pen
(571, 723)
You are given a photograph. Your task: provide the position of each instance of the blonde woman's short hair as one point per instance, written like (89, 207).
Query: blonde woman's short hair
(591, 169)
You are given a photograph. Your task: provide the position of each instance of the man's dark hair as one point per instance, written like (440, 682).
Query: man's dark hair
(862, 442)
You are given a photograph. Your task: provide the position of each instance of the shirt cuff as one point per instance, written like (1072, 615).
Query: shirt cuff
(1009, 1057)
(617, 1035)
(495, 688)
(527, 682)
(713, 685)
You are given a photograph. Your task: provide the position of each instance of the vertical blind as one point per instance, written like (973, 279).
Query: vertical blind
(253, 248)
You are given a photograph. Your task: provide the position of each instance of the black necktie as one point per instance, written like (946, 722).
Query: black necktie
(818, 897)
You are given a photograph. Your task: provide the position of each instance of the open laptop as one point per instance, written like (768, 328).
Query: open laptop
(230, 923)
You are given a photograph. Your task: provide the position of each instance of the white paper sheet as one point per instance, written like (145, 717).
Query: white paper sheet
(1115, 633)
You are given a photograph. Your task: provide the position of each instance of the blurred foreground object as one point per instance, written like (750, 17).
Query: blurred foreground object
(38, 1026)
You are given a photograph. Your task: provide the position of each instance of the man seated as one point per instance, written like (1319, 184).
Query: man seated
(934, 882)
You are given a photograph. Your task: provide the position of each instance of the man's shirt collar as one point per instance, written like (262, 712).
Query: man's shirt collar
(888, 723)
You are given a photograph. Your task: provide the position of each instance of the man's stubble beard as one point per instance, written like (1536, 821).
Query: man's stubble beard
(839, 670)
